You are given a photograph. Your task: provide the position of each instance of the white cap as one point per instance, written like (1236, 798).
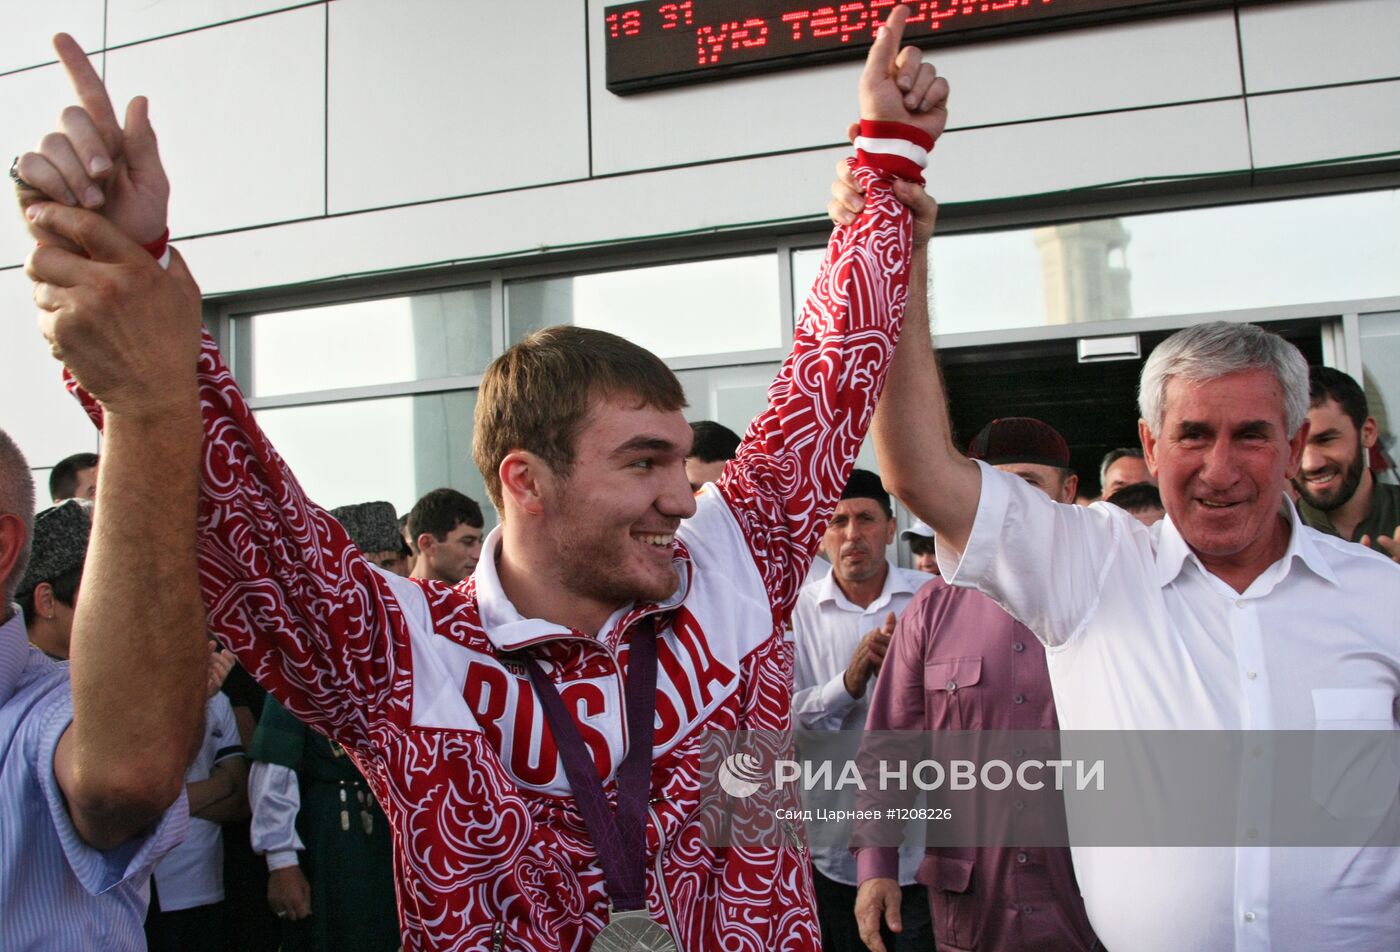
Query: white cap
(917, 529)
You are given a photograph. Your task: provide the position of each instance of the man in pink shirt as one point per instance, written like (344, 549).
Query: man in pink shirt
(958, 662)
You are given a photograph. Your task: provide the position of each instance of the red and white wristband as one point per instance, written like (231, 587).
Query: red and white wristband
(160, 249)
(894, 147)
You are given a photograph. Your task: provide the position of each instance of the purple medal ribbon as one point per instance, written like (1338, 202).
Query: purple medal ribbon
(619, 838)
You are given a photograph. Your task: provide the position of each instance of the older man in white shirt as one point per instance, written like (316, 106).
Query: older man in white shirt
(1227, 615)
(842, 624)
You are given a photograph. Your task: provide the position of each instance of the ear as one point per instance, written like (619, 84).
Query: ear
(525, 482)
(1149, 446)
(1369, 433)
(1296, 444)
(1069, 491)
(426, 542)
(11, 544)
(44, 600)
(889, 530)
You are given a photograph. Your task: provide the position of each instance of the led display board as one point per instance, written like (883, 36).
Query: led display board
(651, 45)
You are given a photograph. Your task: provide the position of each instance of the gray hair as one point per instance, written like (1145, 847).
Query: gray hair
(16, 498)
(1207, 351)
(1113, 456)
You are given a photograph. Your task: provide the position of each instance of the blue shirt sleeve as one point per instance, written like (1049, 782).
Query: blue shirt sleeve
(98, 870)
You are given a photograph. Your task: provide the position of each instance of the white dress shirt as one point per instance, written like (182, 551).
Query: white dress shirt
(274, 797)
(827, 627)
(1140, 636)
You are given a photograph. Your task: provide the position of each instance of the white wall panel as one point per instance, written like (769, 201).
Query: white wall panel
(35, 409)
(129, 21)
(28, 27)
(1042, 77)
(1159, 62)
(240, 112)
(1316, 125)
(1087, 151)
(1292, 45)
(970, 165)
(594, 211)
(435, 98)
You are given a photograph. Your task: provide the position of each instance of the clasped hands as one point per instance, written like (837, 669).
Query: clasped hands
(92, 193)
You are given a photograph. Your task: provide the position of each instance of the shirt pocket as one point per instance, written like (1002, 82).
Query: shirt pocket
(1353, 709)
(1355, 776)
(954, 903)
(952, 696)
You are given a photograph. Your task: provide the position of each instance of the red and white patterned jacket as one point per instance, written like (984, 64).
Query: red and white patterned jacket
(407, 675)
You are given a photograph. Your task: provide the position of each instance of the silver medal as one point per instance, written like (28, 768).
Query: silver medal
(633, 931)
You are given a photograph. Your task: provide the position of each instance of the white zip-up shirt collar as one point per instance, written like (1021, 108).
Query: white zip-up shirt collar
(508, 630)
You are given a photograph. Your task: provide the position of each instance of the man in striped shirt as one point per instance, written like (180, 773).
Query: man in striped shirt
(93, 751)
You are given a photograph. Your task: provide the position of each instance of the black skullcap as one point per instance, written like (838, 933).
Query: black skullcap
(372, 526)
(864, 484)
(1020, 440)
(60, 542)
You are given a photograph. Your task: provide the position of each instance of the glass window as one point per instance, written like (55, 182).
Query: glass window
(1331, 248)
(674, 310)
(396, 448)
(732, 396)
(805, 265)
(362, 343)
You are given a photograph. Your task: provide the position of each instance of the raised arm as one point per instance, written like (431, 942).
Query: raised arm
(285, 588)
(919, 464)
(913, 435)
(129, 331)
(797, 454)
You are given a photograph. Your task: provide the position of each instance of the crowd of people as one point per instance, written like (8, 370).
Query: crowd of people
(416, 732)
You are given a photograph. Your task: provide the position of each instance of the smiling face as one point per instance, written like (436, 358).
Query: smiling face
(612, 520)
(1222, 460)
(855, 540)
(1334, 460)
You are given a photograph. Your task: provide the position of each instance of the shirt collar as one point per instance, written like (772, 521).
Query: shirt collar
(1172, 551)
(14, 652)
(828, 591)
(1302, 543)
(509, 630)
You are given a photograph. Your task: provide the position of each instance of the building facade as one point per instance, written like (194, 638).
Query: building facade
(378, 197)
